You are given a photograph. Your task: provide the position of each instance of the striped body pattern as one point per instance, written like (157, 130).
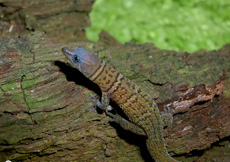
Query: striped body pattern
(138, 106)
(133, 101)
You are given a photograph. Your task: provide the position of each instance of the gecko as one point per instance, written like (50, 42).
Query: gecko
(144, 117)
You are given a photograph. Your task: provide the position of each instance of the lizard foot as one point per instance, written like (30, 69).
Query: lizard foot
(95, 102)
(167, 110)
(107, 112)
(166, 116)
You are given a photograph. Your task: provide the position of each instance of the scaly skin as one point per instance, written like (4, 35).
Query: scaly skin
(144, 116)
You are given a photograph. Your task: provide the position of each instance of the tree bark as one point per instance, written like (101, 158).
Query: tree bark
(45, 117)
(64, 20)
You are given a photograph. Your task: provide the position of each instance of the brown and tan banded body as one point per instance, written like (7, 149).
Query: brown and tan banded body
(137, 105)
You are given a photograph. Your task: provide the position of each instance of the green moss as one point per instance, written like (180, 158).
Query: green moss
(22, 131)
(18, 97)
(227, 89)
(25, 70)
(27, 83)
(1, 93)
(10, 87)
(176, 25)
(37, 103)
(102, 54)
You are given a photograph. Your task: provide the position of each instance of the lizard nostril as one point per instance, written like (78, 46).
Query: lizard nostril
(64, 50)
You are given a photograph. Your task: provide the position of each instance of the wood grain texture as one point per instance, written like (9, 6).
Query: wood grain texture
(63, 20)
(44, 115)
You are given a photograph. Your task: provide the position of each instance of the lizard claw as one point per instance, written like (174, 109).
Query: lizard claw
(94, 100)
(167, 110)
(107, 112)
(108, 121)
(110, 114)
(166, 116)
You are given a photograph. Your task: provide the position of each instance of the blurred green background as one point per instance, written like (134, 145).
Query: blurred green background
(169, 24)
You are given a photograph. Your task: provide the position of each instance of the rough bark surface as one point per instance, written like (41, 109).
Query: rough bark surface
(43, 110)
(44, 114)
(64, 20)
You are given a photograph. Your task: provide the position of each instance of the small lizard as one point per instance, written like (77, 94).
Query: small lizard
(142, 112)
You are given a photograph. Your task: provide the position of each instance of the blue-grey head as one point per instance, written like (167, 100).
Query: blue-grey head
(83, 60)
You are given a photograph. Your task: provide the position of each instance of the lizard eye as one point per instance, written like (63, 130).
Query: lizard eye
(76, 59)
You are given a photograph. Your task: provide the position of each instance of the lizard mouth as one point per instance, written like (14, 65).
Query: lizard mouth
(68, 53)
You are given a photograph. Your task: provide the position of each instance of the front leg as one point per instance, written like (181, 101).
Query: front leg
(104, 104)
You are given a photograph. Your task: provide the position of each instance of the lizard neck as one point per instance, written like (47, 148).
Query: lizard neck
(106, 77)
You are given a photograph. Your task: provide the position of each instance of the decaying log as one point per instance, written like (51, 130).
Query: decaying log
(45, 117)
(64, 20)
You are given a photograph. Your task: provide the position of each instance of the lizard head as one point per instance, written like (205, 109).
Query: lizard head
(84, 61)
